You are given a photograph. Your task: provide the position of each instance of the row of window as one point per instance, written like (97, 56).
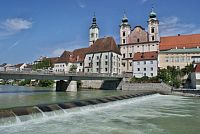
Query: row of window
(138, 63)
(145, 69)
(124, 47)
(106, 57)
(178, 59)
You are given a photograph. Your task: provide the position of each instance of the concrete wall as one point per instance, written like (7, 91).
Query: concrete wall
(101, 84)
(160, 87)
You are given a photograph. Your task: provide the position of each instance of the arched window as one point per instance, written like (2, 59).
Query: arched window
(152, 30)
(124, 33)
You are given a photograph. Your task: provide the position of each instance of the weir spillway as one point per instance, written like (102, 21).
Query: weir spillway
(21, 114)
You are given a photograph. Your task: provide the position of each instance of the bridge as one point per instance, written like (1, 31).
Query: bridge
(65, 81)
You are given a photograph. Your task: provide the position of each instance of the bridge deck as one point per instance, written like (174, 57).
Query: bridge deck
(53, 76)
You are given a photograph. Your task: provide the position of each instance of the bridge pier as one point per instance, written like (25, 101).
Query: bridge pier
(70, 86)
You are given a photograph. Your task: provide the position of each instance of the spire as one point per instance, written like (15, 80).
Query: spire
(152, 13)
(124, 19)
(94, 22)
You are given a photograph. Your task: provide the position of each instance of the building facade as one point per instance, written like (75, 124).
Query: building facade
(137, 40)
(179, 51)
(103, 57)
(145, 64)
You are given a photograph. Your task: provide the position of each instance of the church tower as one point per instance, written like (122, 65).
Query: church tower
(153, 27)
(94, 31)
(125, 30)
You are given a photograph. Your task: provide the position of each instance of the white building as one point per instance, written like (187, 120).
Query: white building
(195, 77)
(145, 64)
(2, 67)
(69, 61)
(137, 40)
(103, 57)
(20, 67)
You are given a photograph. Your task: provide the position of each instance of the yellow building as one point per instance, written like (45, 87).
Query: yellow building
(179, 51)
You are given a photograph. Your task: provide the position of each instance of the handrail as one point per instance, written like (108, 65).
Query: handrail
(61, 74)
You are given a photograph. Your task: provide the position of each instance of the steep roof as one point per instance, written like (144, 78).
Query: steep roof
(107, 44)
(52, 59)
(197, 68)
(18, 65)
(180, 41)
(145, 56)
(78, 55)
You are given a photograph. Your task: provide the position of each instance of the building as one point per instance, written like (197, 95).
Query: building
(103, 57)
(69, 61)
(20, 67)
(137, 40)
(145, 64)
(93, 31)
(195, 77)
(2, 67)
(179, 51)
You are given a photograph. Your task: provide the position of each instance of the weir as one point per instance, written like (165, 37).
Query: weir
(26, 113)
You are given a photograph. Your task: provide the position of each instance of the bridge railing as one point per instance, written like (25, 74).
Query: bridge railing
(62, 74)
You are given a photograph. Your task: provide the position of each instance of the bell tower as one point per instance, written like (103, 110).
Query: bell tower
(125, 30)
(153, 24)
(93, 31)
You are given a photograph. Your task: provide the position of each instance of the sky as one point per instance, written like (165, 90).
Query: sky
(33, 28)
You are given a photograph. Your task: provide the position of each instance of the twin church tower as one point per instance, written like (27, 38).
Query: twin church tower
(125, 29)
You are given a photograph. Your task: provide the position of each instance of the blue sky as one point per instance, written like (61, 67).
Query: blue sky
(33, 28)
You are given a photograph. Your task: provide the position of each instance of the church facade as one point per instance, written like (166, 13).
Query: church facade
(137, 40)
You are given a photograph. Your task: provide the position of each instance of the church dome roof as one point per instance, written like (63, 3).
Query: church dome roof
(152, 14)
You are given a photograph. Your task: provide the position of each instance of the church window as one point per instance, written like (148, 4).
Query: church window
(124, 34)
(97, 63)
(106, 69)
(153, 38)
(124, 55)
(92, 35)
(152, 30)
(106, 56)
(130, 54)
(124, 41)
(130, 64)
(106, 63)
(138, 40)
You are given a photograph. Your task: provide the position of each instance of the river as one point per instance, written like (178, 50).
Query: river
(154, 114)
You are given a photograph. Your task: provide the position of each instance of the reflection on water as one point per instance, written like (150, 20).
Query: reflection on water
(13, 96)
(155, 114)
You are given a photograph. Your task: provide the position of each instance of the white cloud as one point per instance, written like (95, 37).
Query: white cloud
(173, 26)
(17, 24)
(81, 3)
(13, 26)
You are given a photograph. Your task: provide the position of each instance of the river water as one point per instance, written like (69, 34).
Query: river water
(154, 114)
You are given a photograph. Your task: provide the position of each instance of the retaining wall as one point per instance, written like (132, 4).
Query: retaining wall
(158, 87)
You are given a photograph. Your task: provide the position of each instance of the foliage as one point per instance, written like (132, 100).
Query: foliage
(144, 79)
(44, 64)
(72, 69)
(24, 82)
(46, 83)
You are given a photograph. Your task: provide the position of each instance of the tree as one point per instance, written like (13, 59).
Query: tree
(44, 64)
(72, 68)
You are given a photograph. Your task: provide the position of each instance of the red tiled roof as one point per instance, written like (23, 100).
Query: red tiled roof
(53, 60)
(18, 65)
(107, 44)
(180, 41)
(78, 55)
(145, 56)
(197, 68)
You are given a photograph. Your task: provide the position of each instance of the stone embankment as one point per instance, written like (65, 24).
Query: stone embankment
(157, 87)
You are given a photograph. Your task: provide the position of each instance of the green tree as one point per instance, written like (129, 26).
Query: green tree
(72, 68)
(44, 64)
(45, 83)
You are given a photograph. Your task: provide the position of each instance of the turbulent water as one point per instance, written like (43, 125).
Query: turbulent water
(155, 114)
